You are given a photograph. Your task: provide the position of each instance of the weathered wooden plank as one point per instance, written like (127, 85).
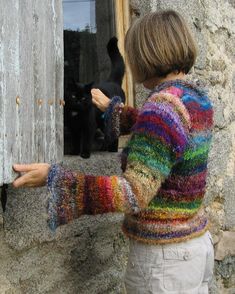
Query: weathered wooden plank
(2, 93)
(59, 78)
(39, 52)
(9, 15)
(40, 68)
(50, 81)
(31, 67)
(26, 82)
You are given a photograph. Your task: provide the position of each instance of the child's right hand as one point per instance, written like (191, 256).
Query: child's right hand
(100, 100)
(33, 175)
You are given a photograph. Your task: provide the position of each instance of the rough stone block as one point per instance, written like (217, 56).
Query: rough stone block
(141, 95)
(195, 16)
(142, 6)
(226, 245)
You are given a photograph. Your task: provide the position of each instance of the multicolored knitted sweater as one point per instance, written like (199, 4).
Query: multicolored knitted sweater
(164, 167)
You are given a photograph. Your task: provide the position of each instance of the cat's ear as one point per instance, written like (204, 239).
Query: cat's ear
(89, 86)
(80, 86)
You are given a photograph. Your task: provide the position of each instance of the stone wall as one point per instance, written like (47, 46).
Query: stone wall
(89, 255)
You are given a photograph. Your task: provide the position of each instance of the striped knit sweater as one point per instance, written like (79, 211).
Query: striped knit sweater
(164, 167)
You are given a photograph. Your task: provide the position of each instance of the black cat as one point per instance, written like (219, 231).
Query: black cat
(79, 121)
(82, 118)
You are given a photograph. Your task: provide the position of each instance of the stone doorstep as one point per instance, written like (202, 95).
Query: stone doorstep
(226, 245)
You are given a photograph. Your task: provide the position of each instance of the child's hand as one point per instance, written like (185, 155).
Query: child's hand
(99, 99)
(34, 175)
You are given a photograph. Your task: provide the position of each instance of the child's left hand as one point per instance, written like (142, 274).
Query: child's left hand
(34, 175)
(100, 100)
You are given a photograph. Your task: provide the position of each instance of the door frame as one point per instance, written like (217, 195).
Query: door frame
(122, 20)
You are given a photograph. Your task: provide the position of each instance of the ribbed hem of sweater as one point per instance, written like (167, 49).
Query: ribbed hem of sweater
(156, 233)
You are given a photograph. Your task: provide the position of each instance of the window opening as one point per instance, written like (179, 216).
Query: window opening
(88, 26)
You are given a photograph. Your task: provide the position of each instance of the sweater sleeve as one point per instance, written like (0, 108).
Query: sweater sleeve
(118, 119)
(158, 138)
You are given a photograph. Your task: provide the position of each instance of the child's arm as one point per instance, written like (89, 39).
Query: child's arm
(119, 119)
(159, 138)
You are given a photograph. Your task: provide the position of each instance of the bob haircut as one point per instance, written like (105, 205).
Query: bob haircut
(159, 43)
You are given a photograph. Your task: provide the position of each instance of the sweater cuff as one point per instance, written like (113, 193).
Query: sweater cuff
(56, 207)
(112, 119)
(53, 199)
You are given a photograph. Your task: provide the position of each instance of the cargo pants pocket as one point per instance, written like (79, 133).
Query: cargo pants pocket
(183, 267)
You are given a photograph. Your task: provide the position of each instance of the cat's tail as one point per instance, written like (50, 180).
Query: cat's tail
(117, 62)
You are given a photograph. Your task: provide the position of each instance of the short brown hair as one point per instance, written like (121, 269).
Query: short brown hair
(159, 43)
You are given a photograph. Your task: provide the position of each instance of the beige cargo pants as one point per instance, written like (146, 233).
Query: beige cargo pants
(183, 268)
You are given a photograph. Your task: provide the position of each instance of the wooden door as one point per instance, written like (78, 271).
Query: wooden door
(122, 16)
(31, 83)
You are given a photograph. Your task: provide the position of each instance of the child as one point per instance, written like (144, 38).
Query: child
(164, 165)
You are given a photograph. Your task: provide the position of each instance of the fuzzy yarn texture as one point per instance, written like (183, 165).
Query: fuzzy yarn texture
(164, 167)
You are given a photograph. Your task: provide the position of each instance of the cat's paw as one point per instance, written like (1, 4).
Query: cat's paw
(85, 154)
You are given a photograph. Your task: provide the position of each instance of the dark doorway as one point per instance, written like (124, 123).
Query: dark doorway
(88, 26)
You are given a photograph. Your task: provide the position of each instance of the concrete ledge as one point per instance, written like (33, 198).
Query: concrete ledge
(26, 215)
